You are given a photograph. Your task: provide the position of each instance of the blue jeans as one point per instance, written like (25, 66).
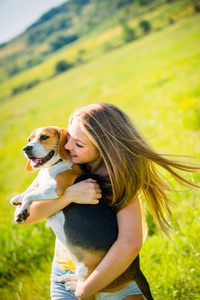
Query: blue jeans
(58, 291)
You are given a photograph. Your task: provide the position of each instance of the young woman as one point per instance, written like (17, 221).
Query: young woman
(103, 138)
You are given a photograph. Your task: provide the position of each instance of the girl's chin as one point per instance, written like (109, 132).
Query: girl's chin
(73, 159)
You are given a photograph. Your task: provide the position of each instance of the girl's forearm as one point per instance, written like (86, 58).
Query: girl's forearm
(112, 266)
(84, 192)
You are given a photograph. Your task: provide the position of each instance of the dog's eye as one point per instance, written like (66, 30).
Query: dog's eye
(44, 137)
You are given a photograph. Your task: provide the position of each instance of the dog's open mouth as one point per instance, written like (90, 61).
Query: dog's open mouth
(37, 162)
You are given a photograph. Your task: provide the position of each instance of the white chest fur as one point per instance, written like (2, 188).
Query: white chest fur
(47, 175)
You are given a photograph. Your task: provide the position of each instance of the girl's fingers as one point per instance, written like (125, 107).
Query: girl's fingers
(95, 201)
(85, 192)
(90, 180)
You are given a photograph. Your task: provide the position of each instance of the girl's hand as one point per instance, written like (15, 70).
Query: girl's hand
(81, 293)
(72, 283)
(84, 192)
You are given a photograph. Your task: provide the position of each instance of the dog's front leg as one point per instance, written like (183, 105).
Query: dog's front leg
(17, 200)
(38, 194)
(69, 281)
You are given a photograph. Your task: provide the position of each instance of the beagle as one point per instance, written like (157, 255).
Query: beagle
(87, 231)
(45, 150)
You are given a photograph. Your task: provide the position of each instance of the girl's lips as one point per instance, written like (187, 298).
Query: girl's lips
(73, 155)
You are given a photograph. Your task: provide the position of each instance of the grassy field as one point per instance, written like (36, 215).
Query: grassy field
(156, 80)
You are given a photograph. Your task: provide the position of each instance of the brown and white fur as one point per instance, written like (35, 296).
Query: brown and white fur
(45, 150)
(87, 231)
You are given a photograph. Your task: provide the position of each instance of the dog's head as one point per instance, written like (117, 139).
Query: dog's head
(45, 147)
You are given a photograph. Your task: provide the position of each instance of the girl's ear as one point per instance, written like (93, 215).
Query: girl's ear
(63, 139)
(28, 167)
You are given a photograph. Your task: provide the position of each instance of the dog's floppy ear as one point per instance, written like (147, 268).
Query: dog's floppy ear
(63, 139)
(28, 167)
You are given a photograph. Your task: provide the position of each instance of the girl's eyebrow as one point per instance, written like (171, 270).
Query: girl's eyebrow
(80, 141)
(76, 139)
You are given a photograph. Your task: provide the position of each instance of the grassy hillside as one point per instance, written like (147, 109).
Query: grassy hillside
(156, 80)
(68, 25)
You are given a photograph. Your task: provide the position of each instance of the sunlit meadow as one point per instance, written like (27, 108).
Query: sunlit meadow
(156, 80)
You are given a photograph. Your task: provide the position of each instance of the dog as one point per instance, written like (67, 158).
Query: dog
(87, 231)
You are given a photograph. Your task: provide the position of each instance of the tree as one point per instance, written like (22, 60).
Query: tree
(62, 66)
(15, 69)
(197, 8)
(61, 41)
(128, 33)
(145, 25)
(144, 2)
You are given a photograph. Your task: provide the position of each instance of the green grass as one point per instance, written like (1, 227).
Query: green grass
(99, 39)
(156, 80)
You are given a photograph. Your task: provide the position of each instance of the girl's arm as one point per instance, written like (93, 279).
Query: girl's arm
(120, 255)
(84, 192)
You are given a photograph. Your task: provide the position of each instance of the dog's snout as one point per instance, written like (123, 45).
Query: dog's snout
(27, 148)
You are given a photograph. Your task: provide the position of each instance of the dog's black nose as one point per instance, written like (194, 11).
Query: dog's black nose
(27, 148)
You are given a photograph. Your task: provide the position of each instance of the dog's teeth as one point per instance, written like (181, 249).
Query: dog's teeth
(42, 160)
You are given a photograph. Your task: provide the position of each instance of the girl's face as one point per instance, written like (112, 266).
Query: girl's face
(81, 149)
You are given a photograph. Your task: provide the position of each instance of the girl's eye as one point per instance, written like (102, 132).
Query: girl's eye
(78, 145)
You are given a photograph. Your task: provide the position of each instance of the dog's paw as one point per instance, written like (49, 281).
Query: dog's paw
(17, 200)
(22, 216)
(68, 277)
(69, 281)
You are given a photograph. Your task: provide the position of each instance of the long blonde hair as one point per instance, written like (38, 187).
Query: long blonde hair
(130, 160)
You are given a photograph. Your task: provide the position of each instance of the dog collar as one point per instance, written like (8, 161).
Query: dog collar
(54, 163)
(58, 161)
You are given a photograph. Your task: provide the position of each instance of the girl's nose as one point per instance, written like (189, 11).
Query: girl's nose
(68, 145)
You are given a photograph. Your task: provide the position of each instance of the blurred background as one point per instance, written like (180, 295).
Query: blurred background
(143, 56)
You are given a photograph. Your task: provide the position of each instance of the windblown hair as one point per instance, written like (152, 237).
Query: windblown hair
(131, 161)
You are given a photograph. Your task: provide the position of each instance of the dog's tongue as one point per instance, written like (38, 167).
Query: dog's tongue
(34, 161)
